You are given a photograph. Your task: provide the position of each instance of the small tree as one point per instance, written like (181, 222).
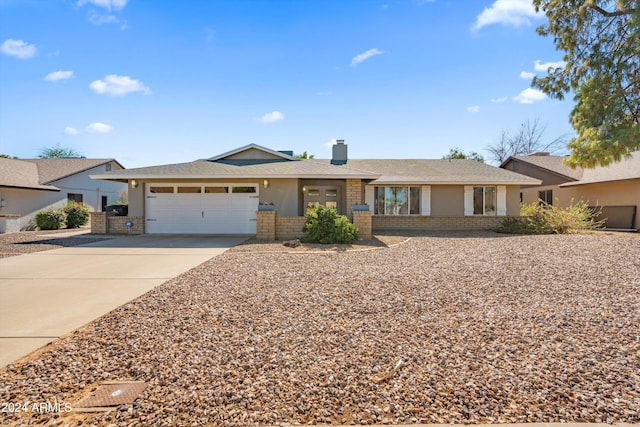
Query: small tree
(529, 139)
(304, 155)
(59, 152)
(324, 225)
(457, 153)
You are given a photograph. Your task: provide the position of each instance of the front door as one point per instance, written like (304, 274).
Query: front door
(328, 196)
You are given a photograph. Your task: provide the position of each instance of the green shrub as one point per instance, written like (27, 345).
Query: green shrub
(324, 225)
(542, 218)
(77, 214)
(51, 219)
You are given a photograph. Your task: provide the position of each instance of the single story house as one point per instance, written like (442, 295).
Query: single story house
(614, 188)
(257, 190)
(30, 185)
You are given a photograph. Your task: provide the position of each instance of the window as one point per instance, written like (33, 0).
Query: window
(546, 196)
(484, 200)
(107, 167)
(244, 190)
(104, 203)
(189, 190)
(397, 201)
(72, 197)
(164, 190)
(216, 190)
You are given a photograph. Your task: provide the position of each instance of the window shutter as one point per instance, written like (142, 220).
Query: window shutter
(501, 208)
(468, 200)
(425, 201)
(369, 197)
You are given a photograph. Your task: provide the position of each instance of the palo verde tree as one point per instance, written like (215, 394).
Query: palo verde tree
(601, 41)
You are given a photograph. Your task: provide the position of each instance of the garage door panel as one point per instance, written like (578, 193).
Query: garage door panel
(202, 213)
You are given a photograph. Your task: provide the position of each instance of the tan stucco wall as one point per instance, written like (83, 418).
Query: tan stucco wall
(614, 193)
(447, 200)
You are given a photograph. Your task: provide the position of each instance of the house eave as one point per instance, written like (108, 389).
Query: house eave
(231, 177)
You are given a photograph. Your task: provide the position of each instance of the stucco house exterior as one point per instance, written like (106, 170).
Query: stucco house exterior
(614, 188)
(30, 185)
(257, 190)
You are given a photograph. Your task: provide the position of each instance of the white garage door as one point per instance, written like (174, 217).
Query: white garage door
(201, 208)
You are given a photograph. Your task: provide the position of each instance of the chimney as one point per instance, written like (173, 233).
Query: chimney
(339, 153)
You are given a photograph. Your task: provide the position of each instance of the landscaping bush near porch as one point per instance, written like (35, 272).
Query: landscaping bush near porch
(543, 218)
(51, 219)
(324, 225)
(77, 214)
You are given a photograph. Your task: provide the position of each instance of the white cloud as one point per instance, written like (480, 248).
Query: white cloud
(107, 4)
(98, 127)
(366, 55)
(473, 109)
(272, 117)
(71, 131)
(526, 75)
(18, 48)
(116, 85)
(58, 75)
(529, 96)
(507, 12)
(544, 66)
(97, 19)
(498, 100)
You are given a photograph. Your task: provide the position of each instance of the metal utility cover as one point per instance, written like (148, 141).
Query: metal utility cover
(113, 393)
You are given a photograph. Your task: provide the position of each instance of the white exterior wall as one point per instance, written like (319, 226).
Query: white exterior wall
(27, 203)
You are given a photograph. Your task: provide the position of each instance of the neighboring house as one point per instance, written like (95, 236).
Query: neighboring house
(614, 188)
(30, 185)
(222, 194)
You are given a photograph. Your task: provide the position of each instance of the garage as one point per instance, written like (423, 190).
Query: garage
(201, 208)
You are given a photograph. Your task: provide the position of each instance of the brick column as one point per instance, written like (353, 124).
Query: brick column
(354, 194)
(266, 226)
(362, 221)
(99, 223)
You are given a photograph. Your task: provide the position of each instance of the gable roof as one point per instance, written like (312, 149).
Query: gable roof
(627, 168)
(550, 163)
(21, 174)
(251, 147)
(50, 170)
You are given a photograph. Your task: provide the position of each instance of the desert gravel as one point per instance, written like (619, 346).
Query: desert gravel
(26, 242)
(447, 328)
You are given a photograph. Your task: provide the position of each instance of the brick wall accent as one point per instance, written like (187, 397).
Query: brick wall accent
(99, 224)
(362, 221)
(117, 224)
(386, 222)
(354, 194)
(266, 225)
(289, 227)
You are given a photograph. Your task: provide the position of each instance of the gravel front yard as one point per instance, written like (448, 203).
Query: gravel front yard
(447, 328)
(26, 242)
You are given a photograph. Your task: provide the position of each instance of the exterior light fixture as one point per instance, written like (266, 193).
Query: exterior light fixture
(134, 183)
(265, 183)
(304, 189)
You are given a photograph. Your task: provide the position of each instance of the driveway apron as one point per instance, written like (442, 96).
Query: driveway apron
(46, 295)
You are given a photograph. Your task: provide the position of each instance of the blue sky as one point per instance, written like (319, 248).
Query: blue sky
(154, 82)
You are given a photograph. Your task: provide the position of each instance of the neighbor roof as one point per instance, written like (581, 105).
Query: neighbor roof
(50, 170)
(550, 163)
(627, 168)
(21, 174)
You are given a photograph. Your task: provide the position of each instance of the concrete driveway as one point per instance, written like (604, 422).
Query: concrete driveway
(45, 295)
